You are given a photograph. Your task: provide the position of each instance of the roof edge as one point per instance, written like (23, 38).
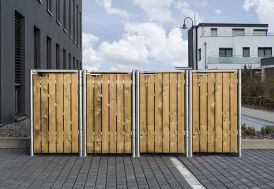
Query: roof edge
(231, 25)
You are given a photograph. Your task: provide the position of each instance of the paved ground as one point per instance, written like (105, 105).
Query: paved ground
(18, 170)
(254, 170)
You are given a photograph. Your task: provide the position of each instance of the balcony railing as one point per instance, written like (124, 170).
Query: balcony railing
(234, 60)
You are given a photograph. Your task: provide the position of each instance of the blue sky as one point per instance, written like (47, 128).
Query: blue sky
(145, 34)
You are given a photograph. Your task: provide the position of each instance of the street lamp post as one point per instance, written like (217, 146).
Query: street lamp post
(194, 38)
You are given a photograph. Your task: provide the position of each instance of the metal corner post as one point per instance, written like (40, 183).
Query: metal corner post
(137, 132)
(31, 115)
(133, 114)
(240, 113)
(186, 113)
(80, 112)
(84, 133)
(190, 114)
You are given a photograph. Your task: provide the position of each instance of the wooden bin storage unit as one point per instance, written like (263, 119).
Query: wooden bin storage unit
(215, 112)
(108, 110)
(162, 121)
(55, 112)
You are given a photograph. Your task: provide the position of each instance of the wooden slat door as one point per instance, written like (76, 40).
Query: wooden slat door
(109, 106)
(55, 113)
(162, 121)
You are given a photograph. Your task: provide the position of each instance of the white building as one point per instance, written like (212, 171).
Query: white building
(229, 46)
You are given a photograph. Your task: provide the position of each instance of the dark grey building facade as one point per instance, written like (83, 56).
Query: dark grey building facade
(35, 34)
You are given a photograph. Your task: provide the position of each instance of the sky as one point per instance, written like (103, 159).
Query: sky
(122, 35)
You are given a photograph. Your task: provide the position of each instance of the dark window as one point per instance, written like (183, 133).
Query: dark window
(77, 65)
(37, 48)
(49, 6)
(265, 52)
(200, 54)
(58, 66)
(58, 11)
(70, 30)
(225, 52)
(80, 65)
(214, 32)
(73, 17)
(65, 14)
(19, 60)
(48, 53)
(260, 32)
(246, 52)
(238, 32)
(64, 59)
(74, 63)
(70, 66)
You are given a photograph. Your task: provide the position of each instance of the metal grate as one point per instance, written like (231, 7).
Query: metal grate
(19, 33)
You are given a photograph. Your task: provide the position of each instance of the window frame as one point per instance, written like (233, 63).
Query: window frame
(238, 29)
(225, 50)
(246, 48)
(211, 32)
(264, 49)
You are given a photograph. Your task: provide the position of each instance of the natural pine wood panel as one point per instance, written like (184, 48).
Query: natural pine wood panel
(60, 112)
(173, 114)
(143, 114)
(234, 112)
(45, 114)
(226, 113)
(150, 113)
(211, 112)
(52, 114)
(105, 115)
(90, 114)
(158, 113)
(166, 117)
(112, 116)
(74, 113)
(128, 113)
(67, 113)
(120, 113)
(37, 115)
(98, 114)
(181, 112)
(219, 113)
(195, 113)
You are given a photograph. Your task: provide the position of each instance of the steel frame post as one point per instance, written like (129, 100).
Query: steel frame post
(190, 153)
(137, 153)
(31, 115)
(239, 113)
(133, 114)
(187, 113)
(80, 113)
(84, 145)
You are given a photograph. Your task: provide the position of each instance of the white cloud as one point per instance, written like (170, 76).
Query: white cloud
(107, 4)
(217, 11)
(91, 59)
(203, 3)
(187, 11)
(264, 10)
(156, 10)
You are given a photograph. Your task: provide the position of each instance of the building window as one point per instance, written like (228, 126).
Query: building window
(74, 64)
(49, 6)
(200, 54)
(58, 12)
(214, 32)
(58, 66)
(37, 48)
(70, 66)
(19, 60)
(265, 52)
(65, 14)
(70, 30)
(73, 17)
(246, 52)
(238, 32)
(48, 53)
(64, 59)
(260, 32)
(225, 52)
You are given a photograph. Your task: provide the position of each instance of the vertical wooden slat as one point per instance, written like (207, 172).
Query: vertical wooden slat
(105, 116)
(219, 113)
(173, 113)
(226, 116)
(90, 115)
(120, 113)
(158, 113)
(233, 112)
(195, 113)
(98, 114)
(181, 111)
(67, 113)
(36, 114)
(150, 113)
(127, 110)
(211, 112)
(44, 112)
(165, 113)
(203, 112)
(143, 113)
(52, 115)
(59, 112)
(74, 113)
(112, 114)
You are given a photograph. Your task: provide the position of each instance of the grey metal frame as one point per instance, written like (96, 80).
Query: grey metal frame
(84, 146)
(186, 113)
(31, 115)
(239, 113)
(133, 114)
(80, 98)
(190, 153)
(137, 98)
